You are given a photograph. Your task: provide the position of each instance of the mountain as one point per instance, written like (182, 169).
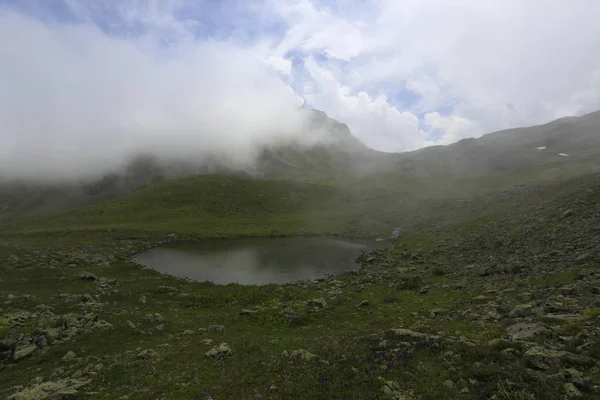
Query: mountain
(565, 148)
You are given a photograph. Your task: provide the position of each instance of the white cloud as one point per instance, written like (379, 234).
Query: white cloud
(75, 100)
(452, 128)
(371, 119)
(401, 74)
(318, 30)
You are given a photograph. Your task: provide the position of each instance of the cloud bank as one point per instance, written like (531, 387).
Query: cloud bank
(75, 101)
(83, 84)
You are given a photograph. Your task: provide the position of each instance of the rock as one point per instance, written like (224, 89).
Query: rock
(435, 312)
(521, 311)
(24, 351)
(156, 317)
(61, 389)
(221, 351)
(571, 392)
(543, 359)
(248, 312)
(188, 332)
(216, 328)
(449, 384)
(526, 331)
(406, 335)
(129, 324)
(316, 305)
(364, 303)
(143, 299)
(87, 276)
(563, 318)
(148, 354)
(299, 354)
(70, 356)
(583, 258)
(424, 290)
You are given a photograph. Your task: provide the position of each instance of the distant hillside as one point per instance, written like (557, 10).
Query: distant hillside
(214, 205)
(562, 149)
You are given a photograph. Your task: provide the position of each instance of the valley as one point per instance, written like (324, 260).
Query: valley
(491, 289)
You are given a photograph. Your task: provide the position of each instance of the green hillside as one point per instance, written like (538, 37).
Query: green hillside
(209, 206)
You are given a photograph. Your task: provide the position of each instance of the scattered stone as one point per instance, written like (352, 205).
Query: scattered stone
(299, 354)
(248, 312)
(449, 384)
(156, 317)
(61, 389)
(188, 332)
(522, 311)
(364, 303)
(216, 328)
(148, 354)
(526, 331)
(406, 335)
(129, 324)
(544, 359)
(316, 305)
(564, 318)
(571, 392)
(24, 351)
(221, 351)
(87, 276)
(70, 356)
(436, 312)
(424, 290)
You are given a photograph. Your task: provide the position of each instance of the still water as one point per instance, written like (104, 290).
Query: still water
(257, 261)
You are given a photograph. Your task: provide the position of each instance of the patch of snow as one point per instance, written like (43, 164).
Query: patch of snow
(540, 148)
(563, 154)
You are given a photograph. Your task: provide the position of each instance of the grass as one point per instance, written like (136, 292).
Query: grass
(42, 257)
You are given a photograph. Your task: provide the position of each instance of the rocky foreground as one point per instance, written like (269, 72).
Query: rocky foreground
(503, 305)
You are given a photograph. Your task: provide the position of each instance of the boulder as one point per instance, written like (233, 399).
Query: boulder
(522, 311)
(299, 354)
(148, 354)
(216, 328)
(526, 331)
(544, 359)
(221, 351)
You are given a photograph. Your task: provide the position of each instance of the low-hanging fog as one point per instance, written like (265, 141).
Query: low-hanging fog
(76, 102)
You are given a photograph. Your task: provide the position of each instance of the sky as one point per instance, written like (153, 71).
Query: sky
(95, 79)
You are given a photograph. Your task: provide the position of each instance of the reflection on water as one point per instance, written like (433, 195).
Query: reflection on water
(257, 261)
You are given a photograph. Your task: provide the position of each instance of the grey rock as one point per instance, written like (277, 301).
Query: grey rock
(406, 335)
(148, 354)
(364, 303)
(129, 324)
(69, 356)
(221, 351)
(216, 328)
(316, 305)
(248, 312)
(544, 359)
(24, 351)
(526, 331)
(87, 276)
(571, 392)
(522, 311)
(564, 318)
(299, 354)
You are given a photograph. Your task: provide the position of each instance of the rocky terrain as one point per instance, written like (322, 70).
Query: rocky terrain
(491, 289)
(497, 299)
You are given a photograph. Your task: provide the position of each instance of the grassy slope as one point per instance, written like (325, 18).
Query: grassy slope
(344, 335)
(208, 206)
